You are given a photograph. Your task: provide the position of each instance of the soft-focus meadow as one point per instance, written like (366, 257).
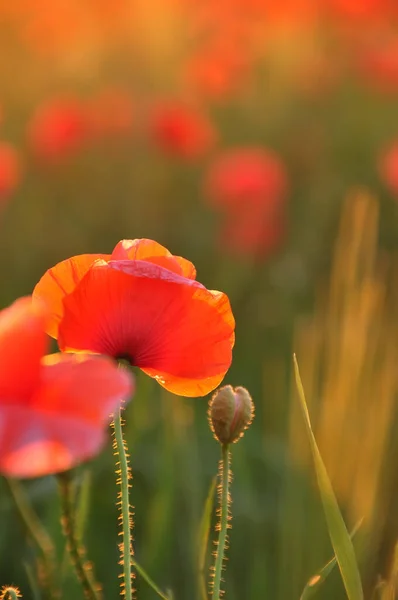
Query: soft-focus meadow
(260, 141)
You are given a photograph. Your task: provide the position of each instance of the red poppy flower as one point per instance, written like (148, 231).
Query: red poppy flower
(182, 130)
(218, 72)
(143, 304)
(369, 11)
(53, 409)
(388, 167)
(58, 129)
(246, 178)
(10, 170)
(252, 235)
(379, 66)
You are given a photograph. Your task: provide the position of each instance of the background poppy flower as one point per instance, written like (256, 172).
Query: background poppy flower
(53, 409)
(10, 170)
(251, 235)
(379, 66)
(246, 178)
(182, 130)
(143, 305)
(58, 129)
(388, 167)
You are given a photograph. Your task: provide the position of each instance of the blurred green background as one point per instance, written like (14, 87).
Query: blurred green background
(315, 84)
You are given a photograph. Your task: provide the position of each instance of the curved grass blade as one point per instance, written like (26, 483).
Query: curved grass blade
(339, 536)
(150, 582)
(314, 583)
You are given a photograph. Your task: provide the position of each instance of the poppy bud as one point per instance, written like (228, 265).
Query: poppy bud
(231, 411)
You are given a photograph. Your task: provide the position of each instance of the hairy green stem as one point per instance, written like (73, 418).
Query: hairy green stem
(38, 534)
(124, 475)
(91, 589)
(224, 507)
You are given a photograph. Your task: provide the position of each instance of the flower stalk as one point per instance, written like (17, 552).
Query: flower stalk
(91, 589)
(223, 525)
(123, 472)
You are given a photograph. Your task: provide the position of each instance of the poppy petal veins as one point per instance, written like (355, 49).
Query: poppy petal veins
(59, 281)
(170, 326)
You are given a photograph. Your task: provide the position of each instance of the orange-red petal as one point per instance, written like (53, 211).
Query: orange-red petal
(59, 281)
(169, 326)
(64, 422)
(151, 251)
(22, 344)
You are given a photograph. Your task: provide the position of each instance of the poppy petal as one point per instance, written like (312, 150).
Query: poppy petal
(85, 386)
(22, 344)
(59, 281)
(46, 444)
(65, 421)
(169, 326)
(151, 251)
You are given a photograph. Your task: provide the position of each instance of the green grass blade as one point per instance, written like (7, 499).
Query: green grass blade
(339, 536)
(204, 532)
(316, 580)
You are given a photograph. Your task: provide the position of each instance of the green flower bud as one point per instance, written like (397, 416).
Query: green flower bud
(231, 411)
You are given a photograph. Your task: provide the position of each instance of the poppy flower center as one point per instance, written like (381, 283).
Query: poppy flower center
(125, 357)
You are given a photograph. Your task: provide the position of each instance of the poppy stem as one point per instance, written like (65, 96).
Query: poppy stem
(123, 472)
(224, 499)
(38, 534)
(91, 589)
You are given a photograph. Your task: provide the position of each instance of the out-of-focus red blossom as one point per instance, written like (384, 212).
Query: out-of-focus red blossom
(181, 130)
(217, 72)
(252, 234)
(142, 304)
(379, 66)
(53, 409)
(249, 178)
(111, 113)
(363, 10)
(249, 185)
(10, 171)
(388, 167)
(58, 129)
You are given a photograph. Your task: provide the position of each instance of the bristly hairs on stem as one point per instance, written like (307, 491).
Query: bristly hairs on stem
(224, 522)
(10, 592)
(125, 519)
(77, 553)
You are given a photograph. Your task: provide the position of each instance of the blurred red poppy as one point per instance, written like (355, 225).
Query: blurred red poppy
(53, 409)
(111, 113)
(142, 304)
(379, 66)
(218, 72)
(362, 10)
(388, 167)
(58, 129)
(10, 170)
(248, 177)
(251, 235)
(181, 130)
